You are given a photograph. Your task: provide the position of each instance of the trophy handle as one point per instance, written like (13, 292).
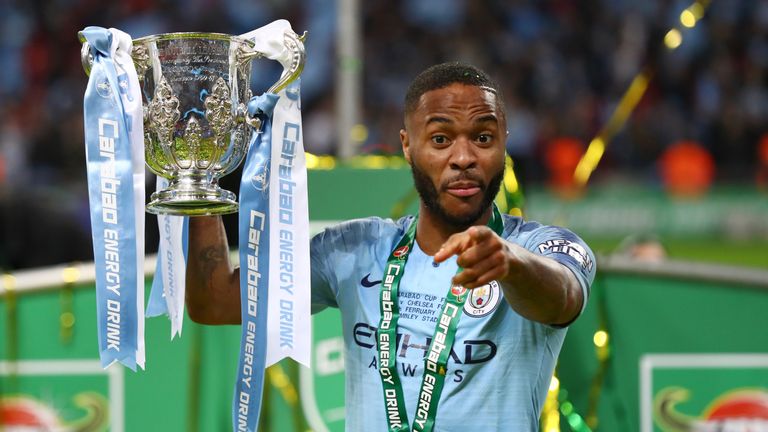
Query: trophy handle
(85, 54)
(295, 45)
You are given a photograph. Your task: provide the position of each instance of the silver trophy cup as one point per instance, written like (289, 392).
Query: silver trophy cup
(195, 87)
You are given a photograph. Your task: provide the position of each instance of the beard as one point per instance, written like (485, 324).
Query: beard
(429, 196)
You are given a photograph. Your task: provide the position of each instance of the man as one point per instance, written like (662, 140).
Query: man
(398, 290)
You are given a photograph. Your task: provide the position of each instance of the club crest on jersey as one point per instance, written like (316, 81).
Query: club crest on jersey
(483, 300)
(401, 252)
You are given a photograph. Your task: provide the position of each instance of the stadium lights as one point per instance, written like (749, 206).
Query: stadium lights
(688, 19)
(600, 338)
(320, 162)
(9, 282)
(359, 133)
(697, 9)
(673, 39)
(554, 384)
(70, 275)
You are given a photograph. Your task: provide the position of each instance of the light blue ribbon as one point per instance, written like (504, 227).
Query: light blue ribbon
(110, 190)
(254, 268)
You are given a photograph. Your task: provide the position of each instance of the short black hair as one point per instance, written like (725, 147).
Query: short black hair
(444, 74)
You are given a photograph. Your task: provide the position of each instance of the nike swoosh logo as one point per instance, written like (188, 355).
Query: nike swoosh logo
(369, 283)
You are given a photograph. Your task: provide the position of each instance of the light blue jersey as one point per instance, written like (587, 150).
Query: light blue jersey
(501, 363)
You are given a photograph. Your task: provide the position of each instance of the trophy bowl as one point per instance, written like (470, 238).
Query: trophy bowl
(195, 87)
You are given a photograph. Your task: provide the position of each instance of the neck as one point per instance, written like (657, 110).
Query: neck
(432, 231)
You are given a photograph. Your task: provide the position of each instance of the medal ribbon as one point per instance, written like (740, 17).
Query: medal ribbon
(440, 346)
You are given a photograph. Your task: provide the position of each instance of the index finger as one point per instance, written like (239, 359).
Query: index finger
(479, 233)
(455, 244)
(459, 242)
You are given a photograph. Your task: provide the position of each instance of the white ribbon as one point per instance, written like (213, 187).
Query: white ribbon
(130, 93)
(171, 266)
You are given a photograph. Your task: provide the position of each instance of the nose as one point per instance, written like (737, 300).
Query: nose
(463, 156)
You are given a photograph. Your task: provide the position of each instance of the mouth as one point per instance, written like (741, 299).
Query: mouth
(463, 188)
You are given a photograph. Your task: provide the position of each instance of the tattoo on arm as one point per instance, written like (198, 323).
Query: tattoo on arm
(211, 258)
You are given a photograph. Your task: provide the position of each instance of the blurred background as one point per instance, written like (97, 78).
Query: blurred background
(563, 65)
(640, 125)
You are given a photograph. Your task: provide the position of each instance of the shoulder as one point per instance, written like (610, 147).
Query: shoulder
(523, 232)
(519, 230)
(549, 240)
(362, 232)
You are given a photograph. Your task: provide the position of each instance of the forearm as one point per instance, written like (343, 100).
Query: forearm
(212, 284)
(540, 288)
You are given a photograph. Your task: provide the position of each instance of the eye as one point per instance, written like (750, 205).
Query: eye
(440, 140)
(485, 138)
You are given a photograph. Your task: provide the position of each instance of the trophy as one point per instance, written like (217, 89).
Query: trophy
(195, 87)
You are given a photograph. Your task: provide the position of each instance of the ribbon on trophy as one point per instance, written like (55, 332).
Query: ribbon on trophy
(115, 161)
(274, 238)
(168, 286)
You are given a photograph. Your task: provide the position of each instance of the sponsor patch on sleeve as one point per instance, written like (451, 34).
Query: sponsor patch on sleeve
(570, 248)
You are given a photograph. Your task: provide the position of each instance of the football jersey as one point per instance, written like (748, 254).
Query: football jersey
(500, 365)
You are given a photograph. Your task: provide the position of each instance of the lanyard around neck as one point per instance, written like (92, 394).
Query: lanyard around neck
(440, 346)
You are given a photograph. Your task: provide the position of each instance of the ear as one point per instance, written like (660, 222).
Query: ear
(406, 145)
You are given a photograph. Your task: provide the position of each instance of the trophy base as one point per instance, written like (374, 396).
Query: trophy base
(207, 200)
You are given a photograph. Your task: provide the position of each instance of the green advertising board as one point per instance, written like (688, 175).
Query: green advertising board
(322, 386)
(662, 332)
(692, 392)
(72, 395)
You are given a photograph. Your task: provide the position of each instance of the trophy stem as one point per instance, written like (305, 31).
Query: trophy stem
(193, 194)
